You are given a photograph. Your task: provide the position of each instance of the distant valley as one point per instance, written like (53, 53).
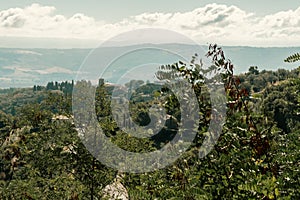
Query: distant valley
(28, 67)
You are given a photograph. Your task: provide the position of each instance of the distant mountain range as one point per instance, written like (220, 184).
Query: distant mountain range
(28, 67)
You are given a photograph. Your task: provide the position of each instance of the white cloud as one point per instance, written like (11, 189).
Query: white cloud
(228, 25)
(283, 25)
(40, 21)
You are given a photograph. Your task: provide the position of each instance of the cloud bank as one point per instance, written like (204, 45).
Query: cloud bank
(213, 23)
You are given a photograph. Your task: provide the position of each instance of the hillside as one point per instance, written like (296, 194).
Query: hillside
(46, 155)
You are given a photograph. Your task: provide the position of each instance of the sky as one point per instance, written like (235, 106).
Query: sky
(75, 23)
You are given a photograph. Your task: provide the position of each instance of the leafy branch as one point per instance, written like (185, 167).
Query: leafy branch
(293, 58)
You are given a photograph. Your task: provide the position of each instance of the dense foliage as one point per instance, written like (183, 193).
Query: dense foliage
(256, 157)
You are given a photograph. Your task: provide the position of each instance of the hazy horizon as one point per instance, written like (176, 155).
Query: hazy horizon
(27, 67)
(58, 43)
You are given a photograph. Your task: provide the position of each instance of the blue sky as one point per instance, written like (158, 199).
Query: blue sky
(252, 23)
